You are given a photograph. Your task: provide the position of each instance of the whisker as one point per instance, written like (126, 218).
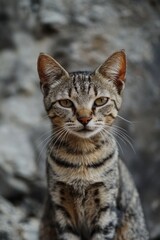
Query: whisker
(63, 138)
(123, 138)
(124, 134)
(43, 148)
(47, 141)
(45, 116)
(108, 132)
(122, 131)
(124, 119)
(119, 144)
(118, 135)
(45, 134)
(58, 137)
(119, 128)
(103, 134)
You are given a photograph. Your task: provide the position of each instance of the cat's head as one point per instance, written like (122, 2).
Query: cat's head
(82, 103)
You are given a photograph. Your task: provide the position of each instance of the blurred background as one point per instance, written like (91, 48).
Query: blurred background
(80, 34)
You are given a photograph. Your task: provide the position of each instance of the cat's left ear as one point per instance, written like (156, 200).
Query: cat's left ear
(114, 69)
(49, 70)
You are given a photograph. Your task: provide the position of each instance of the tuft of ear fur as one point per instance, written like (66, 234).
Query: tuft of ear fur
(49, 70)
(114, 69)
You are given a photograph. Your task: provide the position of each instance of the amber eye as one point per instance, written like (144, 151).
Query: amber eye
(100, 101)
(66, 103)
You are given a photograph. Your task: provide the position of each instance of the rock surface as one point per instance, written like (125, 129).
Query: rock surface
(80, 35)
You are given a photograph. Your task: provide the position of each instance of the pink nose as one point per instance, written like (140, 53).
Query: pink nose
(84, 120)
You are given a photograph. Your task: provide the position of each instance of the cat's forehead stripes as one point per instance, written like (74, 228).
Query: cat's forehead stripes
(81, 82)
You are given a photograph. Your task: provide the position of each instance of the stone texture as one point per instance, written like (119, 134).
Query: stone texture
(15, 225)
(80, 34)
(16, 151)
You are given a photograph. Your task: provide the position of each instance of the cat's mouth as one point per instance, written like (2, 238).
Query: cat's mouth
(85, 129)
(86, 132)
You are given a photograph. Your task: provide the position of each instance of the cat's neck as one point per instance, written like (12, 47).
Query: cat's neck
(82, 145)
(75, 158)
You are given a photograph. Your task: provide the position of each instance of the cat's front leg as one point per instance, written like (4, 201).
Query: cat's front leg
(63, 224)
(68, 236)
(105, 225)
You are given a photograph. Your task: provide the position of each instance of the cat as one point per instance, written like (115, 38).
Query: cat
(91, 195)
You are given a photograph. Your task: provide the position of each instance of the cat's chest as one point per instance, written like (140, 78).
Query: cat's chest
(82, 205)
(77, 177)
(84, 168)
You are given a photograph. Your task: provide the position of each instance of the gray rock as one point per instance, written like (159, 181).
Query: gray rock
(24, 111)
(15, 225)
(17, 156)
(30, 229)
(9, 218)
(11, 186)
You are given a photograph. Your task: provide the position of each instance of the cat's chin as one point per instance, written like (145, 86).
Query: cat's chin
(85, 133)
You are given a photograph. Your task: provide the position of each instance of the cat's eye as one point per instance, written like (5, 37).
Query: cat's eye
(100, 101)
(66, 103)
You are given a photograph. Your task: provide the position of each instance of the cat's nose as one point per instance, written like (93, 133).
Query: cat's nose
(84, 120)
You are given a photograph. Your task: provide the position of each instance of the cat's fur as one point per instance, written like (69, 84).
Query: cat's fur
(91, 195)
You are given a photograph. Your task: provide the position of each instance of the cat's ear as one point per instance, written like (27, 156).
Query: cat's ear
(49, 70)
(114, 69)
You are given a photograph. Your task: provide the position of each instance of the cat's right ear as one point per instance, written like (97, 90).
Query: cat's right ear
(49, 70)
(114, 69)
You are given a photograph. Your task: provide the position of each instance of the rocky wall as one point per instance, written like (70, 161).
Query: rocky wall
(80, 34)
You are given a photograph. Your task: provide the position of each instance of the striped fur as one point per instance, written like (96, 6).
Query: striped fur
(91, 195)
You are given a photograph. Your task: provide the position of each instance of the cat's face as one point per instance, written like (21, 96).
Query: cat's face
(82, 103)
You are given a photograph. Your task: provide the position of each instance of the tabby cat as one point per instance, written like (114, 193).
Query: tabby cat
(91, 195)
